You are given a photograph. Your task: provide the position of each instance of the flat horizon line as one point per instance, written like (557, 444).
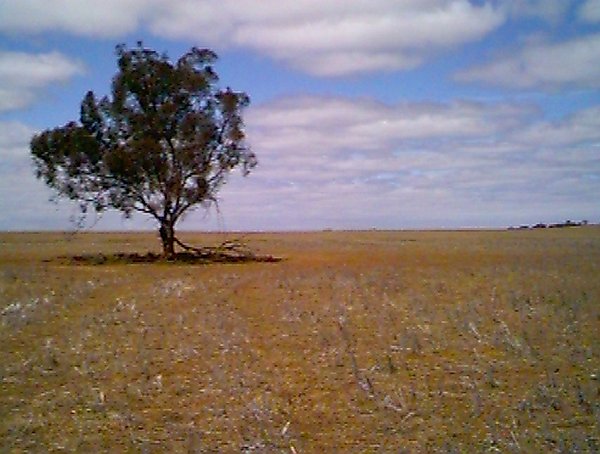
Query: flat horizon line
(285, 231)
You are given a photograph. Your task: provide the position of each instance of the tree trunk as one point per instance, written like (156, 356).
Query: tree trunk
(167, 236)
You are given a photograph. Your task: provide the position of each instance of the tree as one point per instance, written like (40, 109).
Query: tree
(162, 144)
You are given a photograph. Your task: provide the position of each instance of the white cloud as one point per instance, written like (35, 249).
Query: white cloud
(24, 200)
(14, 136)
(107, 18)
(583, 127)
(16, 176)
(337, 37)
(590, 11)
(23, 75)
(324, 38)
(330, 125)
(544, 65)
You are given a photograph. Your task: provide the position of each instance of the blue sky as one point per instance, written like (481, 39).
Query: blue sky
(378, 113)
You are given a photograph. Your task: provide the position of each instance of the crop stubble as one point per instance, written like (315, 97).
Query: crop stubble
(355, 342)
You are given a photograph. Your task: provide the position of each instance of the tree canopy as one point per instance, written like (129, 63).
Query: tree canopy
(162, 143)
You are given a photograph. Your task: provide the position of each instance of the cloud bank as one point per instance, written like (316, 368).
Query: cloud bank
(343, 163)
(356, 163)
(331, 38)
(335, 38)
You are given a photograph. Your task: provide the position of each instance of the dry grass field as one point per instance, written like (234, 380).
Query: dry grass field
(369, 342)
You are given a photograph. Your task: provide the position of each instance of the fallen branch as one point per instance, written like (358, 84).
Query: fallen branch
(231, 250)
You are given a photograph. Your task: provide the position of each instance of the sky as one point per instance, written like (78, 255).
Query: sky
(388, 114)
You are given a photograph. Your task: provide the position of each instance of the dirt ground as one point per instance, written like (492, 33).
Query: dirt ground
(355, 342)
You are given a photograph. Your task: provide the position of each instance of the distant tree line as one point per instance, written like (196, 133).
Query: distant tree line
(567, 223)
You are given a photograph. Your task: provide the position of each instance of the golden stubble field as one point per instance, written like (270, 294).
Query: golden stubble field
(356, 342)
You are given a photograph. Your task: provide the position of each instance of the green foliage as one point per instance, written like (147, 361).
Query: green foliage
(161, 144)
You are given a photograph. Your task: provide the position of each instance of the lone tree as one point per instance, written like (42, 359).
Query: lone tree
(161, 144)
